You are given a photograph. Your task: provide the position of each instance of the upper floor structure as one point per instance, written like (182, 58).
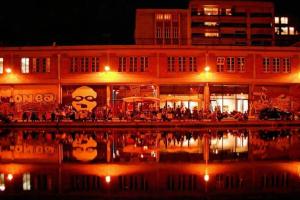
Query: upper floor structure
(246, 23)
(148, 64)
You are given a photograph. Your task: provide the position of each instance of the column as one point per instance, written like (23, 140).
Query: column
(206, 138)
(59, 89)
(206, 95)
(108, 95)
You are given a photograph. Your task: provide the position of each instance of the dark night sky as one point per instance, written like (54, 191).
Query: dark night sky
(40, 22)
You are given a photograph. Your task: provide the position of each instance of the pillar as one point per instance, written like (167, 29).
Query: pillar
(108, 95)
(206, 95)
(206, 138)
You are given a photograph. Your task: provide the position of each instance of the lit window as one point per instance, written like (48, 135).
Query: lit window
(230, 64)
(144, 64)
(228, 11)
(277, 30)
(167, 16)
(25, 65)
(211, 11)
(26, 182)
(284, 20)
(171, 64)
(266, 64)
(181, 63)
(276, 20)
(276, 63)
(193, 64)
(211, 34)
(159, 16)
(122, 64)
(220, 64)
(1, 65)
(284, 31)
(2, 183)
(241, 64)
(210, 23)
(291, 31)
(286, 65)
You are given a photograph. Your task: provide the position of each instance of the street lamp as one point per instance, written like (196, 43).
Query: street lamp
(207, 69)
(107, 68)
(8, 70)
(10, 177)
(107, 179)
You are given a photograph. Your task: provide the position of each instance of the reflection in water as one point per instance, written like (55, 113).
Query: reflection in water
(150, 145)
(140, 163)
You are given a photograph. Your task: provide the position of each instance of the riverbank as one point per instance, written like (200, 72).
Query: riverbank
(152, 124)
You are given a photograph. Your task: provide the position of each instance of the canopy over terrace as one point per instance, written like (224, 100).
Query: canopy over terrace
(134, 101)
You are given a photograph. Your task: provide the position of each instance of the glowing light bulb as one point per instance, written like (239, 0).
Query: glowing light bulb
(107, 179)
(10, 177)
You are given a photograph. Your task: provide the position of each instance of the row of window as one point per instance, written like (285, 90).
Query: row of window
(180, 64)
(85, 64)
(133, 64)
(231, 64)
(276, 65)
(166, 32)
(228, 24)
(141, 64)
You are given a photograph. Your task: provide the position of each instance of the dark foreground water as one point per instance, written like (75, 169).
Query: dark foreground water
(231, 163)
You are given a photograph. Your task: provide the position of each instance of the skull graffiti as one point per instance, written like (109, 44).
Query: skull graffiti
(84, 98)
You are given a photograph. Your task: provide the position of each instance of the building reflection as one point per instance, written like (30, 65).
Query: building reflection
(122, 163)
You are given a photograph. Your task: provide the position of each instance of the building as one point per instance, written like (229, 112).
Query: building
(286, 34)
(208, 23)
(240, 78)
(171, 70)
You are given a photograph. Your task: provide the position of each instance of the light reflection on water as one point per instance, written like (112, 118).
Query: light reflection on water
(153, 145)
(150, 163)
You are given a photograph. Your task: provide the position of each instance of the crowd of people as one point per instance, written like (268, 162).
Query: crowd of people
(106, 113)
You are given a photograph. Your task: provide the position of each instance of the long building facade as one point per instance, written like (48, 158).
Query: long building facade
(196, 77)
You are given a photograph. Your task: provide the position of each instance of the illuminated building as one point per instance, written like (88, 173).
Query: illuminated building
(237, 69)
(208, 23)
(238, 76)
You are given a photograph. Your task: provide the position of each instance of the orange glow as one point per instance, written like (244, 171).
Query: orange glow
(207, 69)
(10, 177)
(206, 177)
(2, 188)
(107, 179)
(8, 70)
(107, 68)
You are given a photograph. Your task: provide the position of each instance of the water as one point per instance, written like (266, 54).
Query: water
(255, 163)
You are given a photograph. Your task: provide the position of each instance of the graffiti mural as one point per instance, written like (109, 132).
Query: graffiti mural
(84, 98)
(28, 98)
(270, 96)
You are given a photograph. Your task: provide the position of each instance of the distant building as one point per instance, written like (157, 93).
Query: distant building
(285, 33)
(238, 23)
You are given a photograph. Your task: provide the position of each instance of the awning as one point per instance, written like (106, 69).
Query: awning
(140, 99)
